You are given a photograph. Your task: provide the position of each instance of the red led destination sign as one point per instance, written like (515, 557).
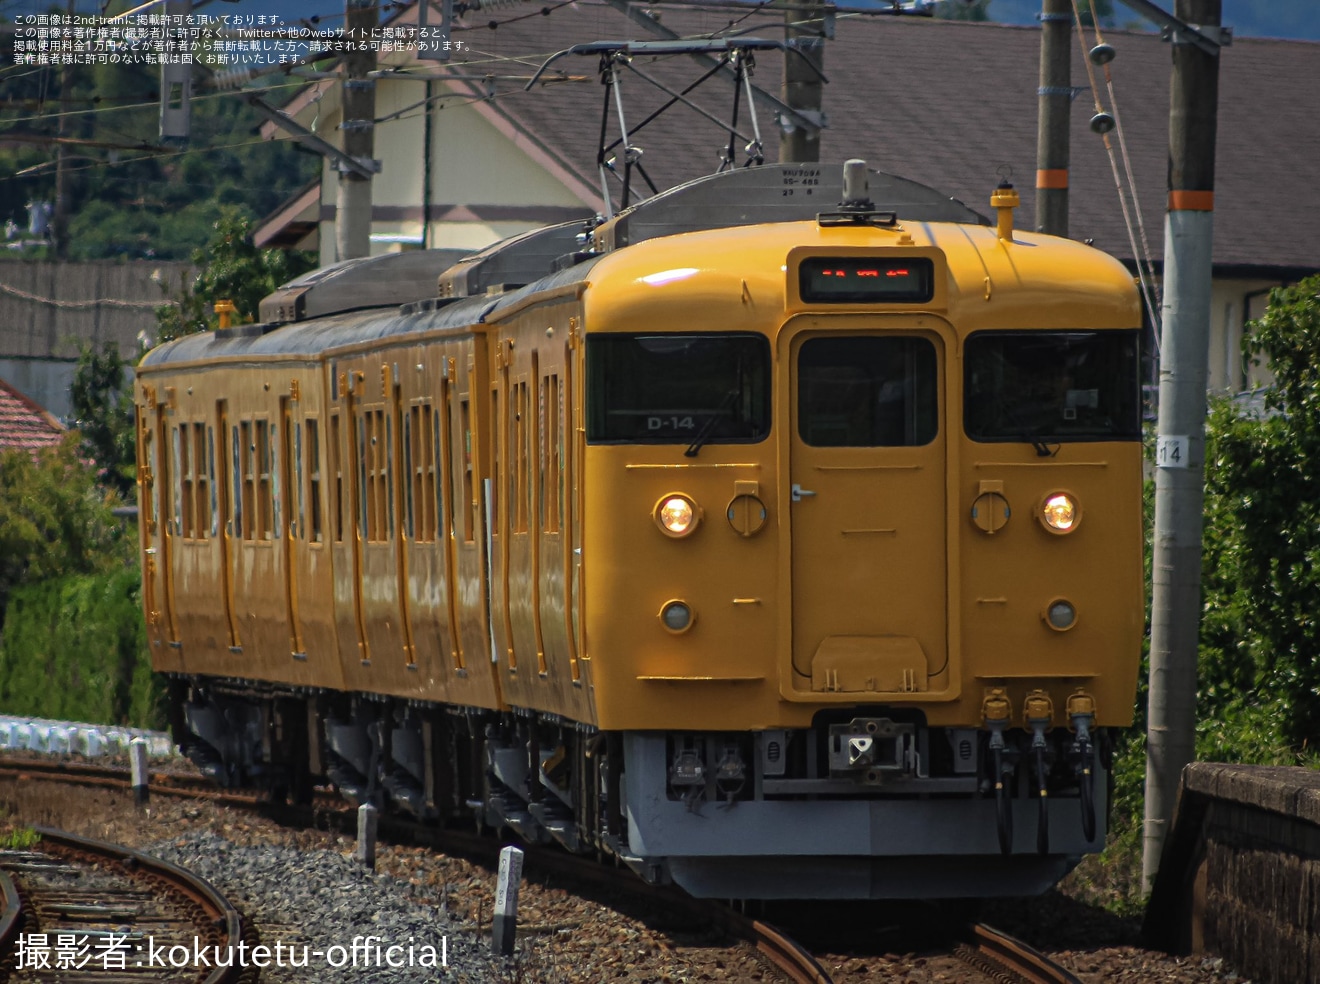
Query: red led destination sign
(862, 280)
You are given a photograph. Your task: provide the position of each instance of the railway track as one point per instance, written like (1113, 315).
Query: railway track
(84, 910)
(984, 951)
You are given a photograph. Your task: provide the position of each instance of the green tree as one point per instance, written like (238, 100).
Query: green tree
(104, 415)
(1261, 571)
(55, 518)
(233, 269)
(964, 10)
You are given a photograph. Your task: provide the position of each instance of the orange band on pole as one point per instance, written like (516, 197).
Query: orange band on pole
(1191, 201)
(1056, 177)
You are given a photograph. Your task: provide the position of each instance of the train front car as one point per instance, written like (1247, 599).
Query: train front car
(861, 551)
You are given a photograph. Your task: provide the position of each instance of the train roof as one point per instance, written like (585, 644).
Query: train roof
(375, 298)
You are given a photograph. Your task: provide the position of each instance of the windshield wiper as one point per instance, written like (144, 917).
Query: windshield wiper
(708, 427)
(1043, 449)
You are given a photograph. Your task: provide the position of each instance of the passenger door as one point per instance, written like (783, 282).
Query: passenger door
(867, 490)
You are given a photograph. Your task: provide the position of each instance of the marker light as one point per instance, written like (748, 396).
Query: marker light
(1061, 615)
(676, 616)
(1060, 513)
(677, 515)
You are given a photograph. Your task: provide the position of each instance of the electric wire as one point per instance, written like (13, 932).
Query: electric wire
(1137, 255)
(1151, 288)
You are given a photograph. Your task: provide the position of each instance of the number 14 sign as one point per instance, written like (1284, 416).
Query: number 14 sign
(1172, 451)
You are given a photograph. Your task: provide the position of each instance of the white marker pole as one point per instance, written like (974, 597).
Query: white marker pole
(505, 927)
(368, 816)
(137, 755)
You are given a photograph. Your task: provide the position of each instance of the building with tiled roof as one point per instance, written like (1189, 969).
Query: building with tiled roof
(950, 104)
(24, 425)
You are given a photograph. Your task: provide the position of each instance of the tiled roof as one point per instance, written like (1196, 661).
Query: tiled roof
(23, 424)
(949, 103)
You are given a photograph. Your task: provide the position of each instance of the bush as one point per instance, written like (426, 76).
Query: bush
(74, 648)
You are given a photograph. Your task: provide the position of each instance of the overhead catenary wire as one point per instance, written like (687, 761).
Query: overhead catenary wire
(1145, 269)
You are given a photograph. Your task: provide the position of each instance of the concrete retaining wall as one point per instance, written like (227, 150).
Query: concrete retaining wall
(1240, 874)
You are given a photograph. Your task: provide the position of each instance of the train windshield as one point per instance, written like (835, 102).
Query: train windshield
(678, 388)
(1043, 386)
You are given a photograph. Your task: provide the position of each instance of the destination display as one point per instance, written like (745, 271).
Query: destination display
(860, 280)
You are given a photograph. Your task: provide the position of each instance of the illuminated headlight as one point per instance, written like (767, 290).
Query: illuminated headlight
(1060, 513)
(677, 515)
(676, 616)
(1061, 615)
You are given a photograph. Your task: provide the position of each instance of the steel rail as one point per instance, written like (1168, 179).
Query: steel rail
(11, 918)
(788, 955)
(219, 911)
(1016, 958)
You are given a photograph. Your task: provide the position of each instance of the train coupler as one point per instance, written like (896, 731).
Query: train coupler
(870, 749)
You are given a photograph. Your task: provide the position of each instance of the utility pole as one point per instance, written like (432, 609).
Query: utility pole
(1052, 133)
(803, 85)
(59, 219)
(353, 198)
(1180, 448)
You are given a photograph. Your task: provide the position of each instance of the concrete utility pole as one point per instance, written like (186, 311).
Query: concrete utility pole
(1180, 448)
(59, 219)
(803, 87)
(353, 200)
(1052, 133)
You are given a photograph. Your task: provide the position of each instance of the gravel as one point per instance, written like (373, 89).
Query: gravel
(303, 886)
(320, 902)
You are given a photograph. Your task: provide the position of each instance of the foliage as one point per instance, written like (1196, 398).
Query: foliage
(19, 839)
(964, 10)
(54, 518)
(233, 269)
(128, 196)
(103, 412)
(75, 648)
(1261, 577)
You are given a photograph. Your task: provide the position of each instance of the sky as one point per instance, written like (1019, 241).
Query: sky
(1299, 19)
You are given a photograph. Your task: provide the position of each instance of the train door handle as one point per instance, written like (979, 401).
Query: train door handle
(799, 493)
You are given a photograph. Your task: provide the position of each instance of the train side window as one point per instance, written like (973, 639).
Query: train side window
(520, 479)
(465, 416)
(210, 478)
(422, 505)
(387, 473)
(182, 483)
(313, 480)
(409, 473)
(201, 510)
(297, 491)
(337, 475)
(364, 490)
(238, 471)
(437, 462)
(542, 441)
(265, 489)
(553, 475)
(867, 392)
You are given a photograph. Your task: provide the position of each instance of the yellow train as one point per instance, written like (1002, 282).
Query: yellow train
(779, 547)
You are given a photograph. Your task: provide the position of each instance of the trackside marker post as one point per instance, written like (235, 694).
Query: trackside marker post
(366, 846)
(505, 927)
(137, 755)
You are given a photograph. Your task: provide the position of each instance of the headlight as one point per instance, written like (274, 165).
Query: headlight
(1060, 513)
(677, 515)
(676, 616)
(1060, 615)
